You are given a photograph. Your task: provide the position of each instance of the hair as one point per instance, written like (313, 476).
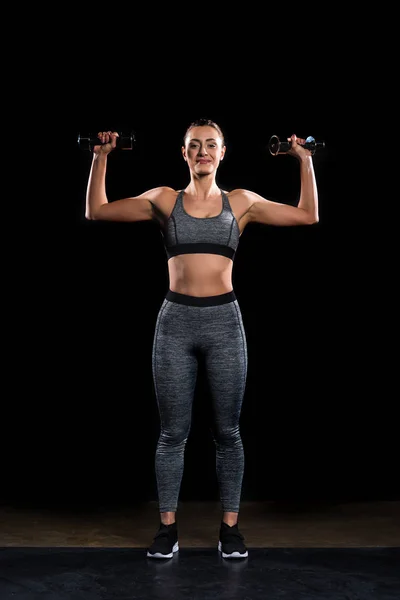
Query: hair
(204, 123)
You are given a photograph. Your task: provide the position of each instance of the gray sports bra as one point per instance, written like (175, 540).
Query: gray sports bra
(185, 234)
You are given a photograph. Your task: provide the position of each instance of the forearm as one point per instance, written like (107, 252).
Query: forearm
(96, 188)
(308, 188)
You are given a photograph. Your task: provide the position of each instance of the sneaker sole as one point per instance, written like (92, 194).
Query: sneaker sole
(159, 555)
(233, 555)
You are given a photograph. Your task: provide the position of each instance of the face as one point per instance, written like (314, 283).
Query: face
(203, 150)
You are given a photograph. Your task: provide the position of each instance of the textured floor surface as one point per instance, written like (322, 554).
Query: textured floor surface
(297, 551)
(200, 574)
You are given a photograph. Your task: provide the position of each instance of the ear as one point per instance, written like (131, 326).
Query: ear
(223, 152)
(184, 152)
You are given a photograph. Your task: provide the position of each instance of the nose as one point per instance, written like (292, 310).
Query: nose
(203, 150)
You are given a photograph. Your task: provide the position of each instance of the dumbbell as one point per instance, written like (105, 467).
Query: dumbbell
(125, 141)
(275, 145)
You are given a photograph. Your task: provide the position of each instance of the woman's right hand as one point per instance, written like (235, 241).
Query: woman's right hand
(108, 141)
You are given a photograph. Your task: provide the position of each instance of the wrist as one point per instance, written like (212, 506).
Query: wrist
(100, 157)
(306, 163)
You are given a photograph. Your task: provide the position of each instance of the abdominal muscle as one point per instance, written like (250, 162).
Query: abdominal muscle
(200, 274)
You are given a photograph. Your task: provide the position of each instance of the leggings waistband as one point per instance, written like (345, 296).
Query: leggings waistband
(200, 300)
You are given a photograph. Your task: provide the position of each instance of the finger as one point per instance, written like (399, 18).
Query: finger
(113, 137)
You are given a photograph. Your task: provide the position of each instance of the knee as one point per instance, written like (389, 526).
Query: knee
(228, 436)
(172, 439)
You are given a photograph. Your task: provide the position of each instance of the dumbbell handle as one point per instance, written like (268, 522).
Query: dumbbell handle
(125, 141)
(277, 147)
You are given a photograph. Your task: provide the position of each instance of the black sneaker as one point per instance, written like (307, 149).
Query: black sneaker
(165, 542)
(231, 542)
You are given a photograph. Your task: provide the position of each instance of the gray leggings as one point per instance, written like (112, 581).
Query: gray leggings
(189, 328)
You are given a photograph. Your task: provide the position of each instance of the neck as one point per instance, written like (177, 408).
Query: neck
(203, 187)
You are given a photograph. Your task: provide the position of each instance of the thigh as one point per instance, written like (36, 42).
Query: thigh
(226, 363)
(174, 365)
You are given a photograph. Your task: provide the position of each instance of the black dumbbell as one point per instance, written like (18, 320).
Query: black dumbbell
(125, 141)
(275, 145)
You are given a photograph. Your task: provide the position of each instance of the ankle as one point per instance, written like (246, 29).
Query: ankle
(167, 517)
(230, 518)
(231, 523)
(168, 522)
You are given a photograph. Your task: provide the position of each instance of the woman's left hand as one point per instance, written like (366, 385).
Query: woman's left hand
(297, 148)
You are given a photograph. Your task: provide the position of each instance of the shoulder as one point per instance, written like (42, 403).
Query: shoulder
(241, 195)
(241, 201)
(159, 193)
(162, 199)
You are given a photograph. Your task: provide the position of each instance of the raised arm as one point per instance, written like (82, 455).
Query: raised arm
(270, 212)
(139, 208)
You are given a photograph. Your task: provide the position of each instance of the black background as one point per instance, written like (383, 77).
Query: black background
(318, 421)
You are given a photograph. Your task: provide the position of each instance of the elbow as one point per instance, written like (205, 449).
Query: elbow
(312, 218)
(308, 215)
(91, 215)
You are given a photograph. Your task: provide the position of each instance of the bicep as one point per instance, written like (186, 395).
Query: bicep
(270, 212)
(139, 208)
(128, 209)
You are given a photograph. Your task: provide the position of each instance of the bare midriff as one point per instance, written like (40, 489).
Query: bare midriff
(203, 274)
(200, 274)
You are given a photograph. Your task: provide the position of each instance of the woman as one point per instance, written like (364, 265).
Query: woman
(200, 317)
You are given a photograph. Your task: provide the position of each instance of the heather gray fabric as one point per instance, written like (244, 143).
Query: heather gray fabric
(184, 233)
(183, 333)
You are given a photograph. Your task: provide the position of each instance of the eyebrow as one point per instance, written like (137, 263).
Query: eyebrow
(207, 140)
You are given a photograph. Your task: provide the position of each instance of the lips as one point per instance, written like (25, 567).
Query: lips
(204, 162)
